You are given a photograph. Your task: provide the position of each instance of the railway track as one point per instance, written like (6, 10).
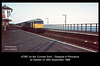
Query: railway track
(90, 42)
(72, 40)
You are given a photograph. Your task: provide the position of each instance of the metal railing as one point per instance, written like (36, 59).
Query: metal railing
(89, 27)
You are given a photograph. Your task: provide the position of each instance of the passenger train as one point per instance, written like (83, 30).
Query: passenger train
(35, 25)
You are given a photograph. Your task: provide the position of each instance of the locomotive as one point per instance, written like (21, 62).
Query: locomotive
(35, 25)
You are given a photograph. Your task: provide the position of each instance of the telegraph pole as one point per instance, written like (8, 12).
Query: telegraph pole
(65, 20)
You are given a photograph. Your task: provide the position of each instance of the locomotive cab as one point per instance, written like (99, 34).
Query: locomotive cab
(38, 25)
(35, 25)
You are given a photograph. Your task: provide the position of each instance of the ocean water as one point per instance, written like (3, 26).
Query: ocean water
(72, 28)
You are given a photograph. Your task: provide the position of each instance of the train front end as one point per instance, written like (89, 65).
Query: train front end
(39, 26)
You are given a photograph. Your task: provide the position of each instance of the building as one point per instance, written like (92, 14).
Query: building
(6, 17)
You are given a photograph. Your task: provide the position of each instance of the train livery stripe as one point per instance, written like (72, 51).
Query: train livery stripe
(38, 26)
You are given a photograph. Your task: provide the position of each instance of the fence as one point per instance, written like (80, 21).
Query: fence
(89, 27)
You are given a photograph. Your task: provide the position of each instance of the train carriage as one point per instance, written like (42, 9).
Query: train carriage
(36, 25)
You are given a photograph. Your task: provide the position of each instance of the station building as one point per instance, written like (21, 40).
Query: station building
(6, 17)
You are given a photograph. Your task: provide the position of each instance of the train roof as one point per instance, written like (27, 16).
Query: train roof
(38, 19)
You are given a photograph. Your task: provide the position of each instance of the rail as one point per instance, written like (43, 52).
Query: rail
(89, 27)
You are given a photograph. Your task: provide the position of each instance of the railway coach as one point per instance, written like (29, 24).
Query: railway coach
(36, 25)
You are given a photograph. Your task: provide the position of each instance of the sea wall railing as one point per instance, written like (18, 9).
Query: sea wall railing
(87, 27)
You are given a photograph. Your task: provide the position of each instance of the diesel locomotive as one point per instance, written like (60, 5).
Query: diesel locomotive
(35, 25)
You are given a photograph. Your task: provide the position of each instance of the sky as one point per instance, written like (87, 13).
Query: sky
(76, 12)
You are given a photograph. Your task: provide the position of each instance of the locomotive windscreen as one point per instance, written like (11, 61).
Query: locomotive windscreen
(38, 22)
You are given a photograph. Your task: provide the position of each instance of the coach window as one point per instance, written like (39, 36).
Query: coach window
(30, 24)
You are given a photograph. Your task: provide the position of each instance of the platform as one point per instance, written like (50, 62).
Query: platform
(76, 32)
(16, 40)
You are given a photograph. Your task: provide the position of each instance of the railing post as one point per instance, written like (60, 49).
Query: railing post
(85, 27)
(49, 26)
(63, 26)
(74, 27)
(96, 27)
(58, 27)
(81, 27)
(53, 27)
(90, 27)
(77, 27)
(68, 26)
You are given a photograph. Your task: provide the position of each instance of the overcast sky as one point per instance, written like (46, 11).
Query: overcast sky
(76, 12)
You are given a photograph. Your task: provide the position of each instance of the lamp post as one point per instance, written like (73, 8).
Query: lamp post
(47, 21)
(65, 20)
